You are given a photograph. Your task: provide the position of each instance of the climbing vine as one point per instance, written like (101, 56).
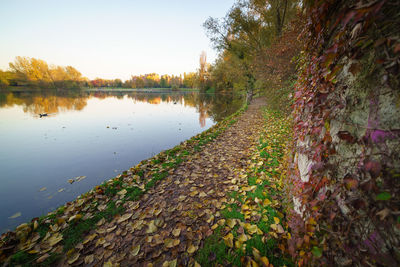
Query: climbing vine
(345, 164)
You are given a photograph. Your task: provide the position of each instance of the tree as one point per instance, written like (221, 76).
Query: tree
(203, 70)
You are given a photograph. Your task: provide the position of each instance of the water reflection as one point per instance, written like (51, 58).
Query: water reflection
(91, 134)
(207, 105)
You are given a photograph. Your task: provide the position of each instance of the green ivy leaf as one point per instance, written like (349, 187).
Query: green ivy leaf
(383, 196)
(317, 252)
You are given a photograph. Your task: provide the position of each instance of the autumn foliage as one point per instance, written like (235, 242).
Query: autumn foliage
(344, 175)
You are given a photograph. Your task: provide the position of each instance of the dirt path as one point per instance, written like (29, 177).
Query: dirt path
(169, 223)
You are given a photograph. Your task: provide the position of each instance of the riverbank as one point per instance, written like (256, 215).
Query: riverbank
(213, 199)
(45, 239)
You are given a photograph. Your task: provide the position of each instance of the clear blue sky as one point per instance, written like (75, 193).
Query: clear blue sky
(109, 39)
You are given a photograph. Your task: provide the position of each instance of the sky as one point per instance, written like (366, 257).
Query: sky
(109, 39)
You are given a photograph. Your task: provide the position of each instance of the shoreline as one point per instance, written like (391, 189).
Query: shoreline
(66, 224)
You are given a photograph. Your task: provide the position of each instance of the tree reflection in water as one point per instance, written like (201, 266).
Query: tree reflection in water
(216, 106)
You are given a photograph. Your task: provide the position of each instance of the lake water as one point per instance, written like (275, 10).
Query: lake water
(91, 134)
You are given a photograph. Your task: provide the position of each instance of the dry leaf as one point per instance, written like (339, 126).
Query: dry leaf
(135, 250)
(73, 257)
(151, 228)
(89, 259)
(176, 232)
(228, 239)
(124, 217)
(191, 249)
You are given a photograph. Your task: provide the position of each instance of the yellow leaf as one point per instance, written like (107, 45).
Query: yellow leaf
(202, 194)
(122, 192)
(231, 223)
(228, 239)
(135, 250)
(265, 262)
(252, 229)
(151, 228)
(89, 238)
(75, 217)
(124, 217)
(256, 253)
(89, 259)
(16, 215)
(243, 238)
(191, 249)
(176, 232)
(73, 257)
(54, 239)
(276, 220)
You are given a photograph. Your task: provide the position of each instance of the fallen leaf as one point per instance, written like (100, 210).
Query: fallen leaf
(170, 243)
(264, 261)
(16, 215)
(383, 213)
(124, 217)
(135, 250)
(151, 228)
(228, 239)
(276, 220)
(89, 259)
(42, 189)
(243, 238)
(42, 258)
(54, 239)
(73, 257)
(89, 238)
(122, 192)
(202, 194)
(231, 223)
(176, 232)
(75, 217)
(191, 249)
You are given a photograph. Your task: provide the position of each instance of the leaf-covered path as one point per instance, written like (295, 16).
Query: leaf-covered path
(169, 223)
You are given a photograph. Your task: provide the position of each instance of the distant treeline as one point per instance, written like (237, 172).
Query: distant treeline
(32, 72)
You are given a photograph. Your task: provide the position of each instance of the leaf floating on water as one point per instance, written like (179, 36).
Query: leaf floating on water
(60, 190)
(42, 189)
(79, 178)
(71, 181)
(16, 215)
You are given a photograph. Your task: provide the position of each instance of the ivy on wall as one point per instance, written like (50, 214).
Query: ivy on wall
(345, 168)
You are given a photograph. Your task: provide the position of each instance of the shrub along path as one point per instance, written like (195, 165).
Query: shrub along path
(212, 200)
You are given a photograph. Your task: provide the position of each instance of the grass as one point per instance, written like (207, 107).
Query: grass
(265, 178)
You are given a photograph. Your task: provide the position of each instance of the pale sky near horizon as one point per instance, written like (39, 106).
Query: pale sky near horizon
(109, 39)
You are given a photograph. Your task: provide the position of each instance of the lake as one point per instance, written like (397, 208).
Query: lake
(89, 137)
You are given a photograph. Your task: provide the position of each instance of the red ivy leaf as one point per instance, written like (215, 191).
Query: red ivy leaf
(345, 135)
